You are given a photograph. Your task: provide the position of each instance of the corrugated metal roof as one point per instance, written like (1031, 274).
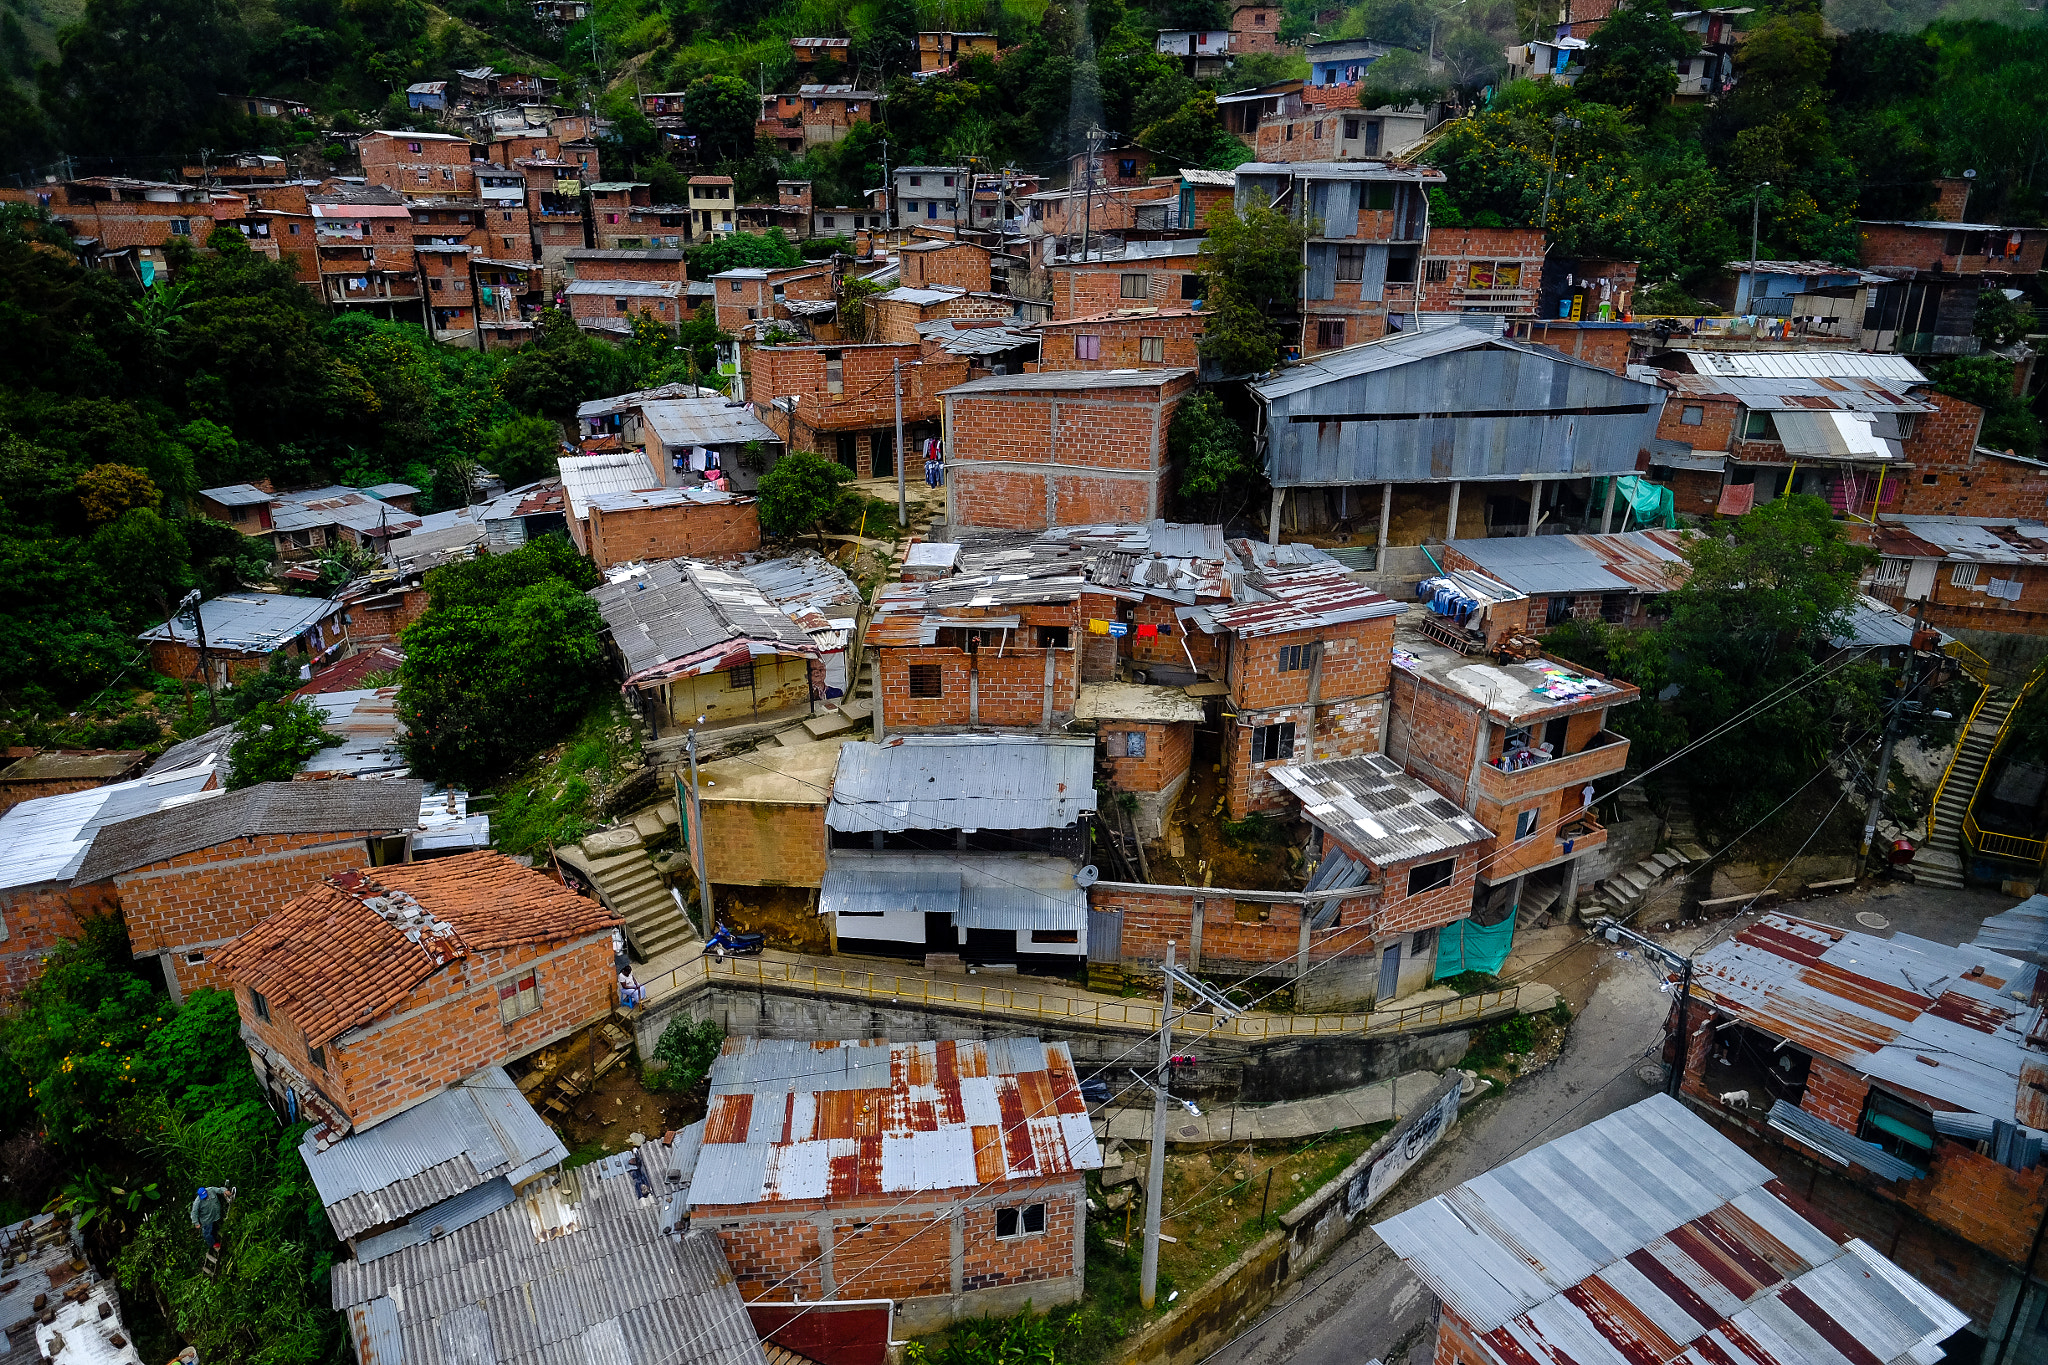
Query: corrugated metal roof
(367, 722)
(957, 336)
(646, 498)
(390, 806)
(1841, 1147)
(994, 891)
(808, 587)
(705, 422)
(825, 1120)
(1935, 1020)
(1975, 539)
(1378, 811)
(237, 495)
(1066, 381)
(970, 782)
(1873, 625)
(1808, 365)
(2020, 933)
(1303, 600)
(599, 407)
(684, 616)
(248, 622)
(1344, 170)
(1648, 1237)
(477, 1130)
(456, 1211)
(608, 1288)
(1630, 561)
(585, 476)
(1512, 693)
(45, 840)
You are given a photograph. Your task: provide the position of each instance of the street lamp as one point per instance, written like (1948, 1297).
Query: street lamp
(1963, 214)
(1755, 210)
(1557, 127)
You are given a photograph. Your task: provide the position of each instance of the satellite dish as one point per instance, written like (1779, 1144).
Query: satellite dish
(1087, 876)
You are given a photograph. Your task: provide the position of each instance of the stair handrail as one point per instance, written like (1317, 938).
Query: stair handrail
(1997, 843)
(1955, 756)
(1969, 660)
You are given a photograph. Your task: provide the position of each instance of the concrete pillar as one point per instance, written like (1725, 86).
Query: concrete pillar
(875, 686)
(1607, 512)
(1570, 899)
(1386, 521)
(1195, 934)
(1045, 720)
(973, 696)
(1536, 504)
(1451, 521)
(1308, 913)
(1515, 896)
(1273, 524)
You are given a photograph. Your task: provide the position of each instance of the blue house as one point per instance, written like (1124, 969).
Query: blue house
(1768, 287)
(1344, 62)
(427, 95)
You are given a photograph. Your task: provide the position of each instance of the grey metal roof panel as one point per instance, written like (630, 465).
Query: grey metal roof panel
(1808, 365)
(1538, 565)
(1379, 812)
(714, 421)
(1843, 1147)
(249, 622)
(47, 839)
(688, 614)
(1344, 170)
(388, 806)
(632, 289)
(967, 782)
(585, 476)
(237, 495)
(456, 1211)
(1066, 381)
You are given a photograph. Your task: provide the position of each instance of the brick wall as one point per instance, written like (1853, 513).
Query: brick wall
(1714, 431)
(374, 625)
(1457, 250)
(1169, 749)
(439, 167)
(1255, 28)
(1343, 729)
(181, 661)
(990, 687)
(868, 397)
(1602, 344)
(1107, 429)
(208, 898)
(1431, 735)
(1890, 244)
(884, 1246)
(1119, 343)
(1835, 1094)
(449, 1027)
(750, 843)
(1086, 291)
(962, 265)
(643, 268)
(38, 917)
(692, 530)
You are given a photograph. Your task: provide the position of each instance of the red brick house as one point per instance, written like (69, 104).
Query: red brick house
(1135, 275)
(379, 988)
(1126, 339)
(1964, 573)
(420, 163)
(962, 265)
(972, 1201)
(752, 293)
(1255, 28)
(1145, 743)
(1482, 270)
(194, 877)
(1906, 1142)
(1065, 448)
(55, 772)
(42, 842)
(242, 631)
(671, 523)
(840, 400)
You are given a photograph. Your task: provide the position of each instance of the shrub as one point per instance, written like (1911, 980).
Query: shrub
(686, 1051)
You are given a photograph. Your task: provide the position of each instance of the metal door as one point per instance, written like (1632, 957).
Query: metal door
(1390, 973)
(1105, 935)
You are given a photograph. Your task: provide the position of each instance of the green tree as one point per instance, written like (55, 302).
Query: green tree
(273, 742)
(1630, 60)
(135, 77)
(523, 450)
(799, 493)
(722, 111)
(107, 490)
(770, 250)
(1212, 455)
(1251, 274)
(505, 659)
(1399, 78)
(1987, 381)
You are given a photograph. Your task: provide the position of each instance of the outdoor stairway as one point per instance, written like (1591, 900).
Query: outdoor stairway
(616, 862)
(1940, 859)
(1534, 910)
(1620, 895)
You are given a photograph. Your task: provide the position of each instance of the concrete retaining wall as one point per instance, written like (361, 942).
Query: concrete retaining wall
(1209, 1317)
(1284, 1069)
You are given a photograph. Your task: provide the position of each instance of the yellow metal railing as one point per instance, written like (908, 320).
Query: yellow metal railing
(1991, 842)
(1969, 660)
(1068, 1006)
(1962, 738)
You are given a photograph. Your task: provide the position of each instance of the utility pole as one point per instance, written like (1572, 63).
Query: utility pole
(701, 864)
(1756, 204)
(1907, 684)
(1557, 127)
(191, 601)
(1155, 1178)
(902, 514)
(888, 191)
(1096, 133)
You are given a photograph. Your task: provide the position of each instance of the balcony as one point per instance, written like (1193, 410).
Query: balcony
(1608, 753)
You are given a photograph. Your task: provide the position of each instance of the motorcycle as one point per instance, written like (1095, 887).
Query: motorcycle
(724, 941)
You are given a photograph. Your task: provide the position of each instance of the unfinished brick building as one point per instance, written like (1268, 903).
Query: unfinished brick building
(989, 1216)
(243, 630)
(1065, 448)
(379, 988)
(1134, 275)
(193, 878)
(1926, 1148)
(840, 400)
(671, 523)
(419, 163)
(1126, 339)
(751, 293)
(1965, 573)
(962, 265)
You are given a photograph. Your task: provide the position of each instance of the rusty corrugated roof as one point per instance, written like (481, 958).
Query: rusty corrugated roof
(792, 1120)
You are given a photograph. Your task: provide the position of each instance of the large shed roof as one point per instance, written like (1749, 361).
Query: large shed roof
(1647, 1237)
(387, 807)
(1378, 811)
(794, 1120)
(618, 471)
(684, 617)
(713, 421)
(45, 840)
(970, 782)
(248, 622)
(1630, 561)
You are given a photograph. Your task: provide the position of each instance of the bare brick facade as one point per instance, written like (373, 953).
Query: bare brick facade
(1093, 288)
(37, 918)
(961, 265)
(1027, 455)
(1349, 690)
(840, 401)
(419, 163)
(681, 530)
(1123, 340)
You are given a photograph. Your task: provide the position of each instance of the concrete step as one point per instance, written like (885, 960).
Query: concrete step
(860, 708)
(826, 724)
(795, 738)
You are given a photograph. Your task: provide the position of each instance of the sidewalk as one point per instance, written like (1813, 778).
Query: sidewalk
(1283, 1122)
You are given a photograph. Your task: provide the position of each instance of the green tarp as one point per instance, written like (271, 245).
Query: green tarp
(1643, 503)
(1467, 947)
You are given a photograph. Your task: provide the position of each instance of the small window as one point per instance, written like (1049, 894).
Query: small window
(951, 181)
(1014, 1222)
(1056, 936)
(835, 373)
(1929, 480)
(1294, 658)
(1436, 272)
(1087, 347)
(1137, 286)
(1317, 129)
(733, 285)
(1272, 742)
(1191, 286)
(741, 678)
(1963, 576)
(1525, 824)
(917, 180)
(1134, 744)
(412, 146)
(258, 1003)
(1558, 611)
(926, 680)
(1127, 168)
(1614, 607)
(1422, 942)
(1378, 194)
(1329, 334)
(517, 999)
(195, 959)
(1350, 128)
(1431, 876)
(294, 229)
(181, 227)
(1055, 637)
(1152, 349)
(1692, 415)
(316, 1055)
(618, 305)
(436, 284)
(1351, 263)
(1758, 426)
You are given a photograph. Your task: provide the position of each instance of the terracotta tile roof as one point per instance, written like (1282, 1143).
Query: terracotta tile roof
(348, 675)
(358, 944)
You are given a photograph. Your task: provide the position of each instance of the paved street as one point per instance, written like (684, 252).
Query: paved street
(1363, 1302)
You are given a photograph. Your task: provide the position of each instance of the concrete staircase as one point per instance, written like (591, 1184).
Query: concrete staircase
(1940, 859)
(1617, 896)
(1537, 902)
(617, 864)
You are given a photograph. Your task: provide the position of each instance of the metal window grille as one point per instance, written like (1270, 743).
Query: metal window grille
(926, 680)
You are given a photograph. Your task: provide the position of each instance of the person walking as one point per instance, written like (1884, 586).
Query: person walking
(208, 1209)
